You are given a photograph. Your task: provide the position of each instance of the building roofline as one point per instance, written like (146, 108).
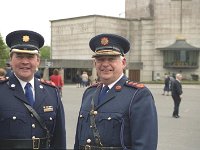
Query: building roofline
(180, 44)
(102, 16)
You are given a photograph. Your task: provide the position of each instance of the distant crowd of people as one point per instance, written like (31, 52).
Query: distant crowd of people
(82, 80)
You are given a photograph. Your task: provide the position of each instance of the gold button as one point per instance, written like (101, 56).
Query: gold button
(95, 112)
(33, 125)
(88, 141)
(81, 116)
(50, 118)
(14, 117)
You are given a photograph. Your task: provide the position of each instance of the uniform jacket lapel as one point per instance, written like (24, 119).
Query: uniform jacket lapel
(18, 92)
(96, 95)
(112, 92)
(40, 93)
(16, 88)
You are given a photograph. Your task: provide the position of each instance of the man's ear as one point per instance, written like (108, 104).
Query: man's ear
(38, 60)
(124, 61)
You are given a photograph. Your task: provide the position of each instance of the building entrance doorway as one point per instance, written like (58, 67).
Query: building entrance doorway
(134, 75)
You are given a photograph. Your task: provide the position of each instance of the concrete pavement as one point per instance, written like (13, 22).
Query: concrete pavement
(174, 134)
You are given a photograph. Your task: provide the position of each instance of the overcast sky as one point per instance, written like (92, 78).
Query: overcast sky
(36, 14)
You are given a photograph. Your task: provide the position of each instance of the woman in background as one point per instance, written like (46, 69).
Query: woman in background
(57, 80)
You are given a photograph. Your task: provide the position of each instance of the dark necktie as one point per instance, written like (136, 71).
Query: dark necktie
(29, 93)
(103, 93)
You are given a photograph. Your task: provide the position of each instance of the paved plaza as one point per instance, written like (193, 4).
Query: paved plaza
(174, 134)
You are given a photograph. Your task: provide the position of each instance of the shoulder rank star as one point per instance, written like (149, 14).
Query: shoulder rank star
(48, 108)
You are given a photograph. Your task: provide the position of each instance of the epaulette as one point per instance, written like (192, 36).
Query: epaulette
(3, 81)
(135, 84)
(47, 82)
(95, 85)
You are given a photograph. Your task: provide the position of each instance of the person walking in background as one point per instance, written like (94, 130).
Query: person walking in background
(2, 74)
(167, 85)
(78, 80)
(115, 113)
(32, 114)
(84, 78)
(177, 94)
(56, 78)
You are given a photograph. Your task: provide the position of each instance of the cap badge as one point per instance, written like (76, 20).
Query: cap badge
(26, 38)
(104, 41)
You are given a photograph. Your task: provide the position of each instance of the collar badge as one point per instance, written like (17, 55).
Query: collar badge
(118, 88)
(12, 85)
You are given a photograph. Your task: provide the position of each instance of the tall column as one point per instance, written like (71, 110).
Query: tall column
(46, 74)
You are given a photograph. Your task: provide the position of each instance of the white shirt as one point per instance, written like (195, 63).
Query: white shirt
(112, 84)
(23, 84)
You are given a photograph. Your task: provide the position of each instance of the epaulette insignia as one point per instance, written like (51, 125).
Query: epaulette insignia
(95, 85)
(47, 82)
(135, 84)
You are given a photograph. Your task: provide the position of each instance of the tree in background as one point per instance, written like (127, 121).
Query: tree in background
(45, 52)
(4, 53)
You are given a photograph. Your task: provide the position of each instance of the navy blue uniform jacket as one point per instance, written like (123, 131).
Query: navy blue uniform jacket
(16, 121)
(126, 118)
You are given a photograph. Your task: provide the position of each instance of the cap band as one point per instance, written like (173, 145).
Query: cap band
(110, 48)
(25, 51)
(106, 53)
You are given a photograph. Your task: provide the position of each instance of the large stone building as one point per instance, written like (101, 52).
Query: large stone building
(164, 37)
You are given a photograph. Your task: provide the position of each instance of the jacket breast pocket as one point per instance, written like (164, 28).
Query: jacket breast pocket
(49, 119)
(109, 126)
(11, 124)
(83, 126)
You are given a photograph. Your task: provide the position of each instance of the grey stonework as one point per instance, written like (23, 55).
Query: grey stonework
(148, 25)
